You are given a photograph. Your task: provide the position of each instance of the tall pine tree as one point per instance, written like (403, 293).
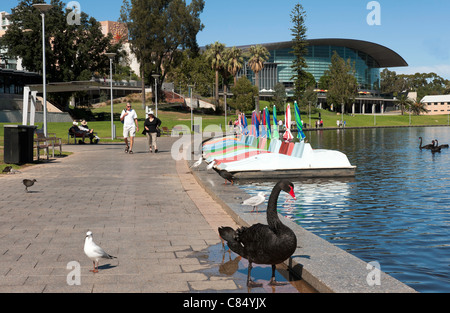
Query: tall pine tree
(300, 50)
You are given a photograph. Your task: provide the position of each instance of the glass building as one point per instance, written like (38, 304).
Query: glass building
(367, 57)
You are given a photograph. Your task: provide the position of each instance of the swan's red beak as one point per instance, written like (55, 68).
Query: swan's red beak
(292, 193)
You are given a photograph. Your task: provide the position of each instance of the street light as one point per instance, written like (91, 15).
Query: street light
(191, 87)
(43, 8)
(111, 57)
(225, 104)
(156, 76)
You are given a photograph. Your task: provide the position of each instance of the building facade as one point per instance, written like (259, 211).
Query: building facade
(7, 62)
(368, 58)
(437, 105)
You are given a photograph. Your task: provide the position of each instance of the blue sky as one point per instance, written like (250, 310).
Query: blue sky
(418, 30)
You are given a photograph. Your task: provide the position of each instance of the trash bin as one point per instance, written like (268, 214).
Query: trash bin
(18, 144)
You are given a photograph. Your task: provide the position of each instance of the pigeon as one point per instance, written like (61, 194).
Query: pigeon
(28, 183)
(255, 201)
(94, 252)
(7, 169)
(197, 164)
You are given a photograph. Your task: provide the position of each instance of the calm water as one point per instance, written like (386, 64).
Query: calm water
(397, 209)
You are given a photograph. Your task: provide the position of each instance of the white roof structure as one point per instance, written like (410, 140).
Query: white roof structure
(436, 99)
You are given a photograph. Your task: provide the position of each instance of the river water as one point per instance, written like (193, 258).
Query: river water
(396, 210)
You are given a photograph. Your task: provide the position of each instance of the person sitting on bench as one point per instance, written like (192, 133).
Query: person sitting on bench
(80, 131)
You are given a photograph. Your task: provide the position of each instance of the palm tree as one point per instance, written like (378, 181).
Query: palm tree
(214, 55)
(258, 55)
(403, 101)
(235, 62)
(418, 107)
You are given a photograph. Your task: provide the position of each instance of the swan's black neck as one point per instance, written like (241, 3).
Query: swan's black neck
(272, 214)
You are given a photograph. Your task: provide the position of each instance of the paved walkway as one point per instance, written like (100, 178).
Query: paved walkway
(145, 209)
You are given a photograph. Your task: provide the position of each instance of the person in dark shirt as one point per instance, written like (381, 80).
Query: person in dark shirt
(151, 127)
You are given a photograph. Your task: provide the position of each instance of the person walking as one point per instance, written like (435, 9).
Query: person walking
(130, 127)
(151, 125)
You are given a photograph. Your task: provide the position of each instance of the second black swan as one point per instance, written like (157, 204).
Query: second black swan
(264, 244)
(440, 146)
(430, 146)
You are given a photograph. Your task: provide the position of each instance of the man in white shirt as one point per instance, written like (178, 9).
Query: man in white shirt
(130, 126)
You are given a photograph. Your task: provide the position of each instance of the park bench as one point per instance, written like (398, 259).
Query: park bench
(165, 131)
(44, 143)
(83, 135)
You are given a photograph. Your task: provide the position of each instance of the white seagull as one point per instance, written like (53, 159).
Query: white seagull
(197, 164)
(94, 252)
(255, 201)
(211, 165)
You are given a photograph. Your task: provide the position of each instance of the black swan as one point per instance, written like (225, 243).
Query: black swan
(435, 148)
(264, 244)
(28, 183)
(430, 146)
(440, 146)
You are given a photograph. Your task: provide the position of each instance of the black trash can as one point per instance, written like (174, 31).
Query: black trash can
(18, 144)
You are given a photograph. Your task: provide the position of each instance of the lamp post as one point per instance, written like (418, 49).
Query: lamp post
(191, 87)
(111, 57)
(43, 8)
(225, 104)
(156, 76)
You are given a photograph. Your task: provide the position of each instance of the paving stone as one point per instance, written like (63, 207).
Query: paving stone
(146, 209)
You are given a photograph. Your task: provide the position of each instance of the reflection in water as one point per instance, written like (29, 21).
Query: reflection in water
(223, 263)
(397, 209)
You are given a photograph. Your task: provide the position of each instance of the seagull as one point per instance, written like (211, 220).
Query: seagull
(255, 201)
(28, 183)
(197, 164)
(94, 252)
(211, 165)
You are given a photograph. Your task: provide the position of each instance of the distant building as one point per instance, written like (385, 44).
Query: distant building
(119, 32)
(368, 58)
(437, 105)
(5, 62)
(4, 22)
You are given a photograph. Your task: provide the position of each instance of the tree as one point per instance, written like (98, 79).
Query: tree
(159, 30)
(279, 96)
(404, 102)
(214, 55)
(235, 62)
(193, 70)
(258, 56)
(309, 97)
(422, 83)
(243, 94)
(73, 52)
(418, 107)
(300, 50)
(70, 49)
(342, 82)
